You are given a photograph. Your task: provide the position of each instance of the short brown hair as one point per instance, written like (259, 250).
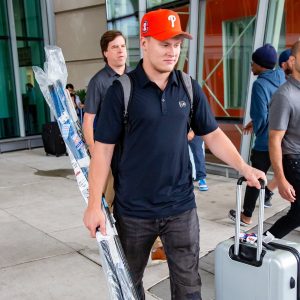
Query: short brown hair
(106, 38)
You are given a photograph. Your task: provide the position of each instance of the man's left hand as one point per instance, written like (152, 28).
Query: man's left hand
(190, 135)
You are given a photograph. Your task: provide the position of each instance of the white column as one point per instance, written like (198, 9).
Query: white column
(192, 61)
(142, 11)
(48, 17)
(51, 21)
(45, 22)
(259, 33)
(275, 14)
(201, 32)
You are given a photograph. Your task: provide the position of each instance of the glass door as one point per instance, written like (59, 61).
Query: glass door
(9, 126)
(30, 44)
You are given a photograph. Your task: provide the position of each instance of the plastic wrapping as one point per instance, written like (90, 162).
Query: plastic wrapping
(52, 81)
(114, 261)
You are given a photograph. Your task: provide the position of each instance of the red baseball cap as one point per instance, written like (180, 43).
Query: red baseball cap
(162, 24)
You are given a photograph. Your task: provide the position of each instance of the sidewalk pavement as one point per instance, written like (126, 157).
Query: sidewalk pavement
(46, 252)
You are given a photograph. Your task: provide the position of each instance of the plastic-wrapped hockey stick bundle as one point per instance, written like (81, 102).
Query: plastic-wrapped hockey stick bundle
(120, 285)
(68, 129)
(51, 82)
(114, 261)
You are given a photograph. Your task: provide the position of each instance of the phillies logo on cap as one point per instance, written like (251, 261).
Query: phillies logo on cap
(172, 19)
(162, 24)
(145, 26)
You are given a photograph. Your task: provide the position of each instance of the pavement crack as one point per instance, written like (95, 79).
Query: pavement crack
(88, 258)
(35, 260)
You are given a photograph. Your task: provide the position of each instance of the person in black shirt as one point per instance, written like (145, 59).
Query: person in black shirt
(154, 186)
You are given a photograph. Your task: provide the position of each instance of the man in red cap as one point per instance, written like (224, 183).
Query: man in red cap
(154, 186)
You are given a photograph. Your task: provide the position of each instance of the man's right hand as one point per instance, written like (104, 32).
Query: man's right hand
(94, 219)
(248, 129)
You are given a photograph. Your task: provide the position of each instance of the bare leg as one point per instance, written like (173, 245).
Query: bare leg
(272, 184)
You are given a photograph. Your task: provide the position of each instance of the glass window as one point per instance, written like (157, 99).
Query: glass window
(120, 8)
(227, 44)
(130, 28)
(284, 23)
(8, 113)
(3, 19)
(238, 35)
(28, 20)
(8, 104)
(30, 46)
(153, 3)
(35, 109)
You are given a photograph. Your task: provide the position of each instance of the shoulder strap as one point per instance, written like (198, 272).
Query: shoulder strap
(187, 84)
(126, 85)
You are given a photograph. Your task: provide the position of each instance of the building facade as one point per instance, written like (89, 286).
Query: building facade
(225, 33)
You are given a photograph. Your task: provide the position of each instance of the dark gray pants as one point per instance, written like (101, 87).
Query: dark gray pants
(180, 238)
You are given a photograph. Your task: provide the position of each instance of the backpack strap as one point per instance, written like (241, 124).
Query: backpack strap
(187, 85)
(127, 88)
(126, 85)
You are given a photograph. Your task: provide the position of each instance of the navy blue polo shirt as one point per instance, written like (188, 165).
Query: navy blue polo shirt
(154, 173)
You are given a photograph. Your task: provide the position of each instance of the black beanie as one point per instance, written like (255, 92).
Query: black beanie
(265, 56)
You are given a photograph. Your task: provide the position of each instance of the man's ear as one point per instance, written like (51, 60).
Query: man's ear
(143, 43)
(292, 59)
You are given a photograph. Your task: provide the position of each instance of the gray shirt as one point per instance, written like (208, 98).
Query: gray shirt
(98, 87)
(285, 115)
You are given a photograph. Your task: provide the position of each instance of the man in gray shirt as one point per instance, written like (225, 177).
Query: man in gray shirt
(113, 47)
(284, 145)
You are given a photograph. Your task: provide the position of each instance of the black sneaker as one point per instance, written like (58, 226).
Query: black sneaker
(268, 204)
(232, 216)
(268, 197)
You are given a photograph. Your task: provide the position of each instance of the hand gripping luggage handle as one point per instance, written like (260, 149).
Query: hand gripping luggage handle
(260, 217)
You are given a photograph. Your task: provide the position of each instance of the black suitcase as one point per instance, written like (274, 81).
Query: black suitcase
(52, 139)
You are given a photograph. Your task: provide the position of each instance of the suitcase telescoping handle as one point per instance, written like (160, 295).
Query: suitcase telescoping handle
(260, 217)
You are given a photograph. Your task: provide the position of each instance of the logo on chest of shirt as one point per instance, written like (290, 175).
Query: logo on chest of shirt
(182, 104)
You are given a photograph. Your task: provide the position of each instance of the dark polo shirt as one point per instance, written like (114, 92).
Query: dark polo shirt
(155, 173)
(98, 87)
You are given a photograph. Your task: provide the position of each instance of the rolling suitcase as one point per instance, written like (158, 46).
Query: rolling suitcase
(52, 139)
(245, 271)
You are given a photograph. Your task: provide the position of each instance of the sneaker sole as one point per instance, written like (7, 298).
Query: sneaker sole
(232, 218)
